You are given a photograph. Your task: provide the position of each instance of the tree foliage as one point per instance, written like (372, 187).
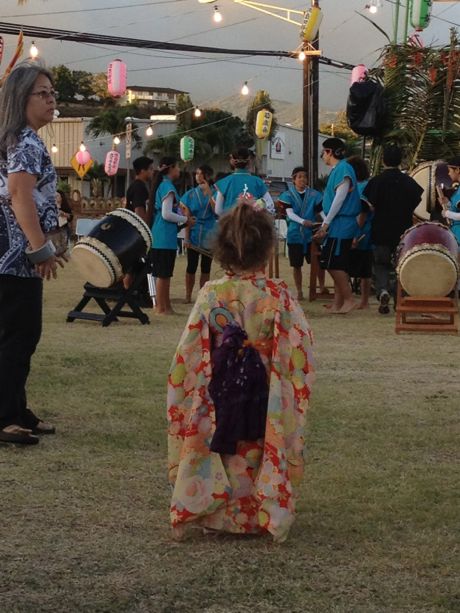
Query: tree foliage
(216, 132)
(422, 91)
(75, 85)
(111, 120)
(184, 112)
(340, 129)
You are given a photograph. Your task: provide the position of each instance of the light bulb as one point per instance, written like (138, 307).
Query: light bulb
(33, 52)
(82, 146)
(116, 140)
(197, 112)
(302, 56)
(54, 149)
(217, 15)
(245, 89)
(149, 131)
(372, 9)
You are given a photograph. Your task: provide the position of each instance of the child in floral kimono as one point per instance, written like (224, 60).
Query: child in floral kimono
(238, 391)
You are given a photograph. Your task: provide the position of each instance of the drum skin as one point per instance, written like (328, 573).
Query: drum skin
(429, 175)
(427, 260)
(112, 248)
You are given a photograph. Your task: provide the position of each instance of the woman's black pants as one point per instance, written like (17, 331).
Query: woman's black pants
(20, 331)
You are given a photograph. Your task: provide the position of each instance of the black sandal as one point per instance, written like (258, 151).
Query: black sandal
(18, 438)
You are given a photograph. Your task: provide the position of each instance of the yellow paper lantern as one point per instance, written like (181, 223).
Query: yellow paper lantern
(263, 123)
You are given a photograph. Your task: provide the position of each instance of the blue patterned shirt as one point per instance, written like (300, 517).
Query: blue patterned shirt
(29, 155)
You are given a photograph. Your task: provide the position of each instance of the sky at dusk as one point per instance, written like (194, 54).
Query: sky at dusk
(344, 36)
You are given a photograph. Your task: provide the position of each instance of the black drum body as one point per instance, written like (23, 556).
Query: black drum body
(112, 248)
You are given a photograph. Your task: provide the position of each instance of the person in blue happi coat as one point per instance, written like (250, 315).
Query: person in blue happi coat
(199, 202)
(241, 184)
(302, 204)
(341, 206)
(452, 212)
(168, 219)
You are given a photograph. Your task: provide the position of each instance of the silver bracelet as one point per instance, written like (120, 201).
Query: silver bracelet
(41, 255)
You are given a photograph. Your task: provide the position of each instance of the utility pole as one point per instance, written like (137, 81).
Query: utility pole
(310, 109)
(310, 80)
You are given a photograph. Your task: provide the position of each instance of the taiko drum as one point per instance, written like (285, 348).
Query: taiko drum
(427, 260)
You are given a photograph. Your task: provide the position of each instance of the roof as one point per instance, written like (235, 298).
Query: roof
(164, 90)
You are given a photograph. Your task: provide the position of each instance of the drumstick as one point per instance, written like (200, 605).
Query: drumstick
(441, 198)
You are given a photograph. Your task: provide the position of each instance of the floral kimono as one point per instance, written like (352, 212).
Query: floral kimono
(250, 491)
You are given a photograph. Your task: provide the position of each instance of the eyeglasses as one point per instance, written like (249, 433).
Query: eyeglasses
(45, 94)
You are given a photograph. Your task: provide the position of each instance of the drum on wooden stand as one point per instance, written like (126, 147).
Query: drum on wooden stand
(112, 248)
(427, 260)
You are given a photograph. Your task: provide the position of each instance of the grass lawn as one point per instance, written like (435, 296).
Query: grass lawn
(85, 513)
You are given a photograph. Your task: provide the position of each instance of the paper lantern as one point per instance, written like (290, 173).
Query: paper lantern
(116, 78)
(420, 13)
(112, 161)
(263, 123)
(359, 73)
(187, 148)
(83, 157)
(310, 28)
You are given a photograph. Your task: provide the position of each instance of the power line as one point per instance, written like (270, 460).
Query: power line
(106, 8)
(84, 37)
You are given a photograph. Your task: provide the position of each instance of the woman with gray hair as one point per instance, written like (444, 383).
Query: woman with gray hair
(27, 213)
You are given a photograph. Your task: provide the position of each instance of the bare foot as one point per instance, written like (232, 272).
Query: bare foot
(187, 300)
(348, 306)
(328, 306)
(335, 307)
(300, 296)
(324, 290)
(178, 532)
(362, 306)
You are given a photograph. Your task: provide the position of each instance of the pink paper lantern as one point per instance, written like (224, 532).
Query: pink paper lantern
(359, 73)
(116, 78)
(83, 157)
(112, 161)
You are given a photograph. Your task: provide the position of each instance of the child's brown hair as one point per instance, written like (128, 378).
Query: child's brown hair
(245, 238)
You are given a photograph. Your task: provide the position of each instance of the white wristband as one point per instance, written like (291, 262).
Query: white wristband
(41, 255)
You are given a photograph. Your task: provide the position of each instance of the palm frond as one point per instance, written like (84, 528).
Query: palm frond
(381, 30)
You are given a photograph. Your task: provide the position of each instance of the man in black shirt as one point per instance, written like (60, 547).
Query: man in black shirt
(137, 195)
(393, 197)
(137, 198)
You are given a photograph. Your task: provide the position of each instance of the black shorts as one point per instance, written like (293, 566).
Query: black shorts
(297, 255)
(328, 259)
(360, 263)
(192, 262)
(163, 261)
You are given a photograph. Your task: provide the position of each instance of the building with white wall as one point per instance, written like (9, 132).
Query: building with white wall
(67, 133)
(154, 96)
